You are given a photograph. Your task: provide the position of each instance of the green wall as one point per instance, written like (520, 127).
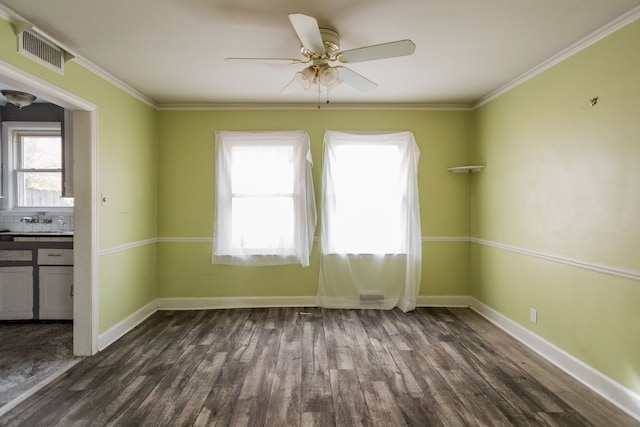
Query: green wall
(127, 171)
(186, 202)
(563, 178)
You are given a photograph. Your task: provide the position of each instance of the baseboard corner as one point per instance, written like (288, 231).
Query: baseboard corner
(616, 393)
(443, 301)
(118, 330)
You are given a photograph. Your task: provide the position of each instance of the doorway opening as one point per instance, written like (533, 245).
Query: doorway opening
(83, 128)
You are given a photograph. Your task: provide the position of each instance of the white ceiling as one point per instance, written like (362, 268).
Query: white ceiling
(173, 51)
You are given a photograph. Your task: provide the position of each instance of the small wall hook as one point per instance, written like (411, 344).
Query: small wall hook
(593, 101)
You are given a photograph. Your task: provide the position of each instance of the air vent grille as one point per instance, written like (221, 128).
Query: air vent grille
(41, 50)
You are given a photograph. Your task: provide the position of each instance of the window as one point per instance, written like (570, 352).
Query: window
(34, 166)
(365, 193)
(371, 239)
(265, 206)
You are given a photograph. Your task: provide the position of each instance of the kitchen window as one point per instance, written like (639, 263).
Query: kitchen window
(34, 166)
(265, 206)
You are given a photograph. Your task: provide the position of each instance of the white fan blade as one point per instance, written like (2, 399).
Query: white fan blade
(308, 32)
(276, 61)
(292, 87)
(379, 51)
(355, 80)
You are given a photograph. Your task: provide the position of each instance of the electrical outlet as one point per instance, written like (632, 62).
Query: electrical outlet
(533, 315)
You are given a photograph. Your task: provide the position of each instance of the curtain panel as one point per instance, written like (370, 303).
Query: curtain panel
(371, 237)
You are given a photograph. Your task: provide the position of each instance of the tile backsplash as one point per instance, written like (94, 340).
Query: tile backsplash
(11, 222)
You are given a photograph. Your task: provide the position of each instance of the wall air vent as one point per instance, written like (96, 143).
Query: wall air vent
(41, 50)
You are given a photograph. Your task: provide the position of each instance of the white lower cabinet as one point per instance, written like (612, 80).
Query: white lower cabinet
(56, 293)
(16, 293)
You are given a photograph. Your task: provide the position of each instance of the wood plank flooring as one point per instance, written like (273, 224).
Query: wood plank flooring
(316, 367)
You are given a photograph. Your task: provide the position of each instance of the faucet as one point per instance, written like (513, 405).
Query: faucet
(40, 216)
(35, 219)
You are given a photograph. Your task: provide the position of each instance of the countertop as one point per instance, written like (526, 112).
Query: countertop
(10, 236)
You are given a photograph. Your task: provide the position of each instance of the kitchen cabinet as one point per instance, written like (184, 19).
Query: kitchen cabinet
(16, 293)
(36, 277)
(56, 293)
(55, 281)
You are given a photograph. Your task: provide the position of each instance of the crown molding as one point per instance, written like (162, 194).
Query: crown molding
(10, 16)
(90, 66)
(312, 106)
(587, 41)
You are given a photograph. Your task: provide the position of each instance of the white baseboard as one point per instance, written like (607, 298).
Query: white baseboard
(616, 393)
(292, 301)
(121, 328)
(234, 302)
(114, 333)
(443, 301)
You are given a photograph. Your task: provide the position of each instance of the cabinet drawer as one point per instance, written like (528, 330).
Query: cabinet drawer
(55, 256)
(15, 255)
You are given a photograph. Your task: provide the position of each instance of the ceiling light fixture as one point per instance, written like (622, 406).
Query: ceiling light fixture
(315, 76)
(307, 77)
(17, 98)
(327, 75)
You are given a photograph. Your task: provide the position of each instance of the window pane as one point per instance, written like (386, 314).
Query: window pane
(41, 152)
(262, 170)
(369, 169)
(369, 199)
(40, 189)
(262, 223)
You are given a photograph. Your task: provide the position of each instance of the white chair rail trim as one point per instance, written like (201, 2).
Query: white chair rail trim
(599, 268)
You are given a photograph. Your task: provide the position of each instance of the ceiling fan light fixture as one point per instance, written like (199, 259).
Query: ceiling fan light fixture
(320, 47)
(17, 98)
(306, 77)
(335, 84)
(327, 75)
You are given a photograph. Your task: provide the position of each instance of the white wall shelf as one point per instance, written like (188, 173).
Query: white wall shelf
(465, 169)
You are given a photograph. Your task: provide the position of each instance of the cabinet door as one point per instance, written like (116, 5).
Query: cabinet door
(16, 293)
(56, 293)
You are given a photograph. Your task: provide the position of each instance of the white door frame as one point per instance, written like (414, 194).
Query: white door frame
(85, 166)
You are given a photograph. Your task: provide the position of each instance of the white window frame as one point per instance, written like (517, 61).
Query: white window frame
(226, 248)
(391, 239)
(9, 163)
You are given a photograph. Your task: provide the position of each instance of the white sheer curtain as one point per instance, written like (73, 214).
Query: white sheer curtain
(265, 205)
(371, 238)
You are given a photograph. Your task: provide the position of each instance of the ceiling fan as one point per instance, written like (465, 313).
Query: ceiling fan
(320, 48)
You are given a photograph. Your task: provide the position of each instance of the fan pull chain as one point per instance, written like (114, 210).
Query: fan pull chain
(320, 95)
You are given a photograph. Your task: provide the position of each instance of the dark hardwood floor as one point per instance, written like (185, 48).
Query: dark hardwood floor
(293, 366)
